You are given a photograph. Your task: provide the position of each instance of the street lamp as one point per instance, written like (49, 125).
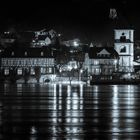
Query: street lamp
(75, 43)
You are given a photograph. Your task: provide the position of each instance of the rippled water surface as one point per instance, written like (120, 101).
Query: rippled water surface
(76, 112)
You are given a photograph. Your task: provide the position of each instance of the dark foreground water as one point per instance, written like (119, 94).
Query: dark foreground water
(36, 112)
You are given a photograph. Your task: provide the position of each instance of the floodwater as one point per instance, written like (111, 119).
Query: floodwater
(64, 112)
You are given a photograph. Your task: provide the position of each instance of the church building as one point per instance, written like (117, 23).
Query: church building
(124, 45)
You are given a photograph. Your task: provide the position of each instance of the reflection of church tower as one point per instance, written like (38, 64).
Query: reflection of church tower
(124, 45)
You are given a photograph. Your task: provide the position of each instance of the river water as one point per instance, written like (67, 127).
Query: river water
(69, 112)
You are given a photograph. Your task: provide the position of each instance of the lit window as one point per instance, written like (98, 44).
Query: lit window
(12, 54)
(32, 71)
(6, 72)
(19, 72)
(49, 70)
(42, 54)
(25, 53)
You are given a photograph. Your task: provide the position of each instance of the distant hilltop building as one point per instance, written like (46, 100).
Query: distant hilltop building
(7, 38)
(44, 38)
(72, 43)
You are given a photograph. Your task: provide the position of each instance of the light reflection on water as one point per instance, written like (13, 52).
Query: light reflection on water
(69, 111)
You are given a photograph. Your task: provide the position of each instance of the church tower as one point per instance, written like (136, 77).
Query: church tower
(124, 45)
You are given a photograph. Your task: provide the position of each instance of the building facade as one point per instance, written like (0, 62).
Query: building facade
(23, 62)
(101, 62)
(124, 45)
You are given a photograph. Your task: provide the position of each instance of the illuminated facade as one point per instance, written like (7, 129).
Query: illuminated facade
(101, 62)
(124, 45)
(43, 38)
(28, 62)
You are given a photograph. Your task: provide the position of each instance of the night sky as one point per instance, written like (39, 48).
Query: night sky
(88, 20)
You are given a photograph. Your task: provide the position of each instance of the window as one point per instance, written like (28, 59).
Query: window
(32, 71)
(19, 71)
(6, 72)
(12, 53)
(25, 53)
(49, 70)
(42, 53)
(123, 49)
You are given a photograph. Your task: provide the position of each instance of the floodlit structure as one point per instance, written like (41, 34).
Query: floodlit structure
(28, 62)
(124, 45)
(101, 62)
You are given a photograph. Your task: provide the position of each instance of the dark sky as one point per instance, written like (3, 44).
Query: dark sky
(87, 19)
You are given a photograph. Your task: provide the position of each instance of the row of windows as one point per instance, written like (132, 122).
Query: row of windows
(98, 71)
(32, 71)
(26, 53)
(36, 62)
(104, 62)
(103, 55)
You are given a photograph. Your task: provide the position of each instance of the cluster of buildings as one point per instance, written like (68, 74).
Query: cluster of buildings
(42, 63)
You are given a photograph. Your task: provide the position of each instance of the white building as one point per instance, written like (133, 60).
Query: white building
(101, 62)
(124, 45)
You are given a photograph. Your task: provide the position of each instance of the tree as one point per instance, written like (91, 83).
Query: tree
(37, 73)
(62, 59)
(80, 60)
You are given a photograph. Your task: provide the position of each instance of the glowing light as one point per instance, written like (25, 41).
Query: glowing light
(115, 61)
(59, 35)
(33, 130)
(75, 43)
(115, 89)
(68, 120)
(75, 120)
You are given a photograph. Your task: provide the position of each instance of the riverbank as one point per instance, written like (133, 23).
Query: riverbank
(115, 82)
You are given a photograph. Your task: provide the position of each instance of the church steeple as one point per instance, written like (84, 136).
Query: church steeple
(124, 45)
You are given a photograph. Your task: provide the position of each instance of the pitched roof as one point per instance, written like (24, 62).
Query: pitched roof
(28, 53)
(102, 53)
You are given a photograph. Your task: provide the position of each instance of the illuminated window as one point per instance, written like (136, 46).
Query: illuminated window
(6, 72)
(42, 53)
(19, 71)
(12, 53)
(49, 70)
(25, 53)
(32, 71)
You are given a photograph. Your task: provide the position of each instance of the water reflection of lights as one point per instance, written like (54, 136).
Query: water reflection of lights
(75, 120)
(68, 90)
(115, 88)
(115, 129)
(33, 130)
(60, 90)
(115, 120)
(130, 97)
(19, 89)
(95, 89)
(81, 90)
(115, 111)
(54, 119)
(115, 97)
(68, 120)
(33, 138)
(54, 91)
(54, 130)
